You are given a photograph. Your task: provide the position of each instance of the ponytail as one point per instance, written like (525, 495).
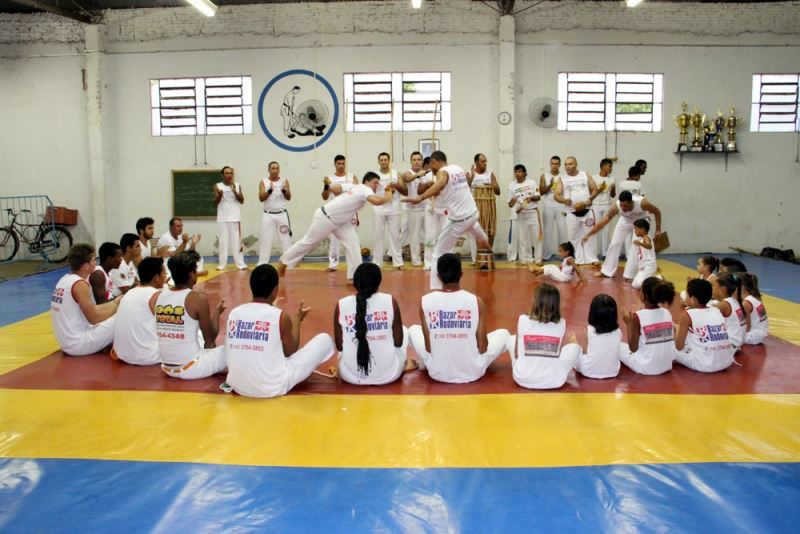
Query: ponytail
(367, 280)
(750, 283)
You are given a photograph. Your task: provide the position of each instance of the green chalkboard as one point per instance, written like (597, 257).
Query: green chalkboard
(193, 193)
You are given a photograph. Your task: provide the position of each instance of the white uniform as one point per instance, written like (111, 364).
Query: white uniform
(386, 361)
(576, 188)
(541, 362)
(452, 320)
(122, 277)
(646, 257)
(623, 229)
(636, 189)
(462, 217)
(229, 220)
(656, 349)
(759, 322)
(274, 220)
(172, 244)
(387, 217)
(528, 218)
(109, 284)
(75, 335)
(602, 354)
(564, 273)
(335, 218)
(554, 220)
(135, 338)
(346, 183)
(601, 204)
(415, 220)
(179, 340)
(708, 348)
(482, 180)
(145, 248)
(435, 220)
(736, 323)
(257, 366)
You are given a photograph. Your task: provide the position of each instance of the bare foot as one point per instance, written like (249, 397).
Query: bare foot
(330, 270)
(600, 275)
(411, 365)
(281, 269)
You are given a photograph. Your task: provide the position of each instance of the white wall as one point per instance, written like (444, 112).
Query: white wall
(708, 53)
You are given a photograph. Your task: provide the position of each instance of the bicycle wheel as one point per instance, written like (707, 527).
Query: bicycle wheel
(9, 244)
(60, 241)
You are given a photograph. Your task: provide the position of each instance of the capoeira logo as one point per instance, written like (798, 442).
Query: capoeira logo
(298, 110)
(539, 346)
(657, 333)
(284, 229)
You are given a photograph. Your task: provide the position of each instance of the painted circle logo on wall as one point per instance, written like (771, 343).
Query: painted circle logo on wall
(298, 110)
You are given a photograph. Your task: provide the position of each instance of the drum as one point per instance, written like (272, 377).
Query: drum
(484, 199)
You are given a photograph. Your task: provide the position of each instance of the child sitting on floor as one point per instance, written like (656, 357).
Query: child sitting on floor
(702, 339)
(567, 272)
(651, 343)
(601, 359)
(728, 291)
(757, 321)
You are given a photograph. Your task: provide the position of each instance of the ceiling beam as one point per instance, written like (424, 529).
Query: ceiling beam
(43, 6)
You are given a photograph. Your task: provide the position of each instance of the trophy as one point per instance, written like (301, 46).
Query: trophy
(697, 121)
(709, 137)
(719, 127)
(732, 122)
(683, 121)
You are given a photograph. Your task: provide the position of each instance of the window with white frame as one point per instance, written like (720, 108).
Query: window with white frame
(775, 103)
(201, 106)
(598, 101)
(399, 101)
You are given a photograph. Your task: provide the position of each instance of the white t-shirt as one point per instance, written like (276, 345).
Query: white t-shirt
(602, 354)
(708, 339)
(108, 282)
(413, 187)
(456, 197)
(275, 201)
(647, 256)
(345, 182)
(343, 208)
(452, 319)
(636, 213)
(431, 204)
(550, 197)
(256, 363)
(656, 349)
(379, 318)
(523, 191)
(167, 240)
(229, 209)
(538, 350)
(135, 338)
(145, 247)
(122, 277)
(69, 324)
(759, 322)
(736, 322)
(634, 186)
(393, 207)
(177, 330)
(603, 198)
(481, 180)
(575, 188)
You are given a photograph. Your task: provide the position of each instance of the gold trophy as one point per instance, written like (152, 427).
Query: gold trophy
(697, 121)
(719, 127)
(732, 122)
(683, 121)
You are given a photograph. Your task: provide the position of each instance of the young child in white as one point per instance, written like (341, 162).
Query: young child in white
(645, 251)
(702, 339)
(369, 332)
(707, 267)
(728, 291)
(650, 330)
(601, 359)
(539, 361)
(568, 271)
(757, 321)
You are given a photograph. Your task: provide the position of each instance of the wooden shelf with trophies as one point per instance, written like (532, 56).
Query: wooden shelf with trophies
(709, 137)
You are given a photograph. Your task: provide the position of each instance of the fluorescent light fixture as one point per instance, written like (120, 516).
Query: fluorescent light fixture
(206, 7)
(416, 4)
(632, 3)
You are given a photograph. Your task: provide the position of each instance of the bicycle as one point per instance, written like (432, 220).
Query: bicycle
(50, 240)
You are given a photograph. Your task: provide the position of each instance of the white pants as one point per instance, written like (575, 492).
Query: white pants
(95, 339)
(555, 228)
(636, 365)
(448, 238)
(230, 239)
(398, 366)
(434, 222)
(321, 227)
(603, 236)
(554, 272)
(553, 375)
(623, 229)
(754, 337)
(334, 248)
(497, 341)
(271, 224)
(577, 227)
(530, 234)
(699, 362)
(208, 363)
(416, 221)
(392, 223)
(645, 271)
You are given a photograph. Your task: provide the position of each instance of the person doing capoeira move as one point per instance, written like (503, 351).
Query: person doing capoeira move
(452, 193)
(335, 219)
(346, 180)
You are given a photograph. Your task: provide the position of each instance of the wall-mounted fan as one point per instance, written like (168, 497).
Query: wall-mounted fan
(543, 112)
(311, 118)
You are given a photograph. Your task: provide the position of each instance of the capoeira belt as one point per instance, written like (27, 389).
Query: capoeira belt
(325, 213)
(287, 218)
(580, 213)
(177, 369)
(456, 221)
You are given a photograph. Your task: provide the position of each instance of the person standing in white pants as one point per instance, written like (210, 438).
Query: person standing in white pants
(335, 219)
(435, 215)
(451, 190)
(606, 191)
(523, 199)
(553, 215)
(387, 217)
(274, 192)
(229, 199)
(415, 214)
(629, 210)
(263, 343)
(346, 180)
(480, 176)
(451, 340)
(577, 190)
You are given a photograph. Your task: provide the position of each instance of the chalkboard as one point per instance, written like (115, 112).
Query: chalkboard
(193, 193)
